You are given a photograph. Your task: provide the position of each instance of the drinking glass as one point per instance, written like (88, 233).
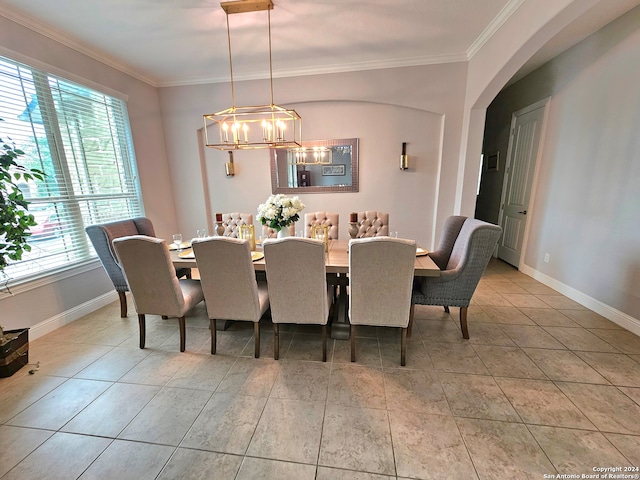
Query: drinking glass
(201, 233)
(393, 234)
(177, 240)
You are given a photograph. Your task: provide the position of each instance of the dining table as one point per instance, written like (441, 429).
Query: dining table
(337, 267)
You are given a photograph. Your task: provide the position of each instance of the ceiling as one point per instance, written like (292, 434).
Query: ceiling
(182, 42)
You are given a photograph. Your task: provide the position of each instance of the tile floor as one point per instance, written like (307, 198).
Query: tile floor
(543, 386)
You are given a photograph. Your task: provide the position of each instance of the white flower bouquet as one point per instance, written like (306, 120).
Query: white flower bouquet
(280, 211)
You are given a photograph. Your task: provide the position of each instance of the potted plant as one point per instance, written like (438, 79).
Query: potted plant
(15, 222)
(280, 211)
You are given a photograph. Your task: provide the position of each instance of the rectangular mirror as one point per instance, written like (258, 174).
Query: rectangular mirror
(323, 166)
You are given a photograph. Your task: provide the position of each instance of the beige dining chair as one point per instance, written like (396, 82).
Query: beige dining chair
(297, 282)
(153, 283)
(380, 279)
(229, 284)
(372, 224)
(232, 221)
(331, 220)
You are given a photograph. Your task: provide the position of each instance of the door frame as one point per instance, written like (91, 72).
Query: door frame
(545, 102)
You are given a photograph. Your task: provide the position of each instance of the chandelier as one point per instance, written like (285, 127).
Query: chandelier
(252, 127)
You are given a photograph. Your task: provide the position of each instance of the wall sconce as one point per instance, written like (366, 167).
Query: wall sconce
(404, 158)
(228, 167)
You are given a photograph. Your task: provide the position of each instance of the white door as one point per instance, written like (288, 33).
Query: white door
(524, 143)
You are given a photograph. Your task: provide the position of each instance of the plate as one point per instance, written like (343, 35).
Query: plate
(174, 246)
(187, 254)
(421, 252)
(256, 256)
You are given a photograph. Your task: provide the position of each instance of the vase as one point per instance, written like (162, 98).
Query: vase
(284, 232)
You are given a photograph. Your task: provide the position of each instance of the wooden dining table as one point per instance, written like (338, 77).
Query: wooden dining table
(337, 265)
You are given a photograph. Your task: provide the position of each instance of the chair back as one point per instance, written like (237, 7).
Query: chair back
(150, 275)
(231, 222)
(228, 279)
(331, 220)
(372, 224)
(102, 236)
(450, 231)
(380, 278)
(297, 280)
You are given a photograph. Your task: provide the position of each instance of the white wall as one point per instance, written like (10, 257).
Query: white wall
(585, 213)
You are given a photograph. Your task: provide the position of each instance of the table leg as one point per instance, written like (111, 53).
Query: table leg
(340, 321)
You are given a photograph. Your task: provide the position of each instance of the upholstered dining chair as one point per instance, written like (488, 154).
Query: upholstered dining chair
(154, 286)
(297, 282)
(380, 278)
(231, 222)
(229, 284)
(268, 232)
(456, 284)
(331, 220)
(450, 230)
(102, 236)
(372, 224)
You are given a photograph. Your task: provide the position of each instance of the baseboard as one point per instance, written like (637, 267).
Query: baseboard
(616, 316)
(50, 324)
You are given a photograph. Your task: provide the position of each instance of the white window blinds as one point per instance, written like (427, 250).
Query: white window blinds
(81, 139)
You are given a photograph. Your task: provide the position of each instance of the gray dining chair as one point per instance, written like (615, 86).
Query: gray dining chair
(102, 236)
(229, 283)
(450, 231)
(456, 284)
(331, 220)
(372, 224)
(154, 286)
(380, 278)
(297, 282)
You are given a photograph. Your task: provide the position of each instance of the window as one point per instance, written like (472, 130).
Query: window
(81, 139)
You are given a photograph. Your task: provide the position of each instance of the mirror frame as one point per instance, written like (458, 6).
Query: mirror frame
(355, 178)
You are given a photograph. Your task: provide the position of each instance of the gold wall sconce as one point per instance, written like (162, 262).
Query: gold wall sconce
(229, 168)
(404, 158)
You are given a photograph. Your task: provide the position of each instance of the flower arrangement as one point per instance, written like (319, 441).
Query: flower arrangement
(280, 211)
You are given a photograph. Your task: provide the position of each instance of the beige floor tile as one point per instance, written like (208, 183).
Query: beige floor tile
(305, 347)
(60, 405)
(488, 334)
(367, 352)
(250, 376)
(156, 369)
(454, 358)
(195, 338)
(507, 315)
(263, 469)
(579, 339)
(477, 396)
(356, 386)
(16, 443)
(328, 473)
(129, 461)
(357, 439)
(606, 407)
(524, 300)
(618, 368)
(430, 312)
(167, 417)
(540, 402)
(576, 452)
(503, 450)
(113, 364)
(548, 317)
(560, 302)
(589, 319)
(564, 365)
(623, 340)
(156, 335)
(632, 393)
(288, 430)
(307, 381)
(64, 359)
(226, 424)
(266, 343)
(536, 288)
(64, 455)
(432, 455)
(414, 391)
(417, 354)
(507, 286)
(19, 392)
(112, 411)
(628, 445)
(445, 331)
(186, 464)
(508, 362)
(491, 299)
(202, 371)
(532, 336)
(235, 341)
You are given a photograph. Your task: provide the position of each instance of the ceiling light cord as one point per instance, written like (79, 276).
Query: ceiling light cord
(233, 93)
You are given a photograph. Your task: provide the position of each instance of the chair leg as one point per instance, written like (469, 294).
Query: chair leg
(411, 312)
(256, 332)
(353, 343)
(183, 334)
(446, 308)
(143, 330)
(324, 343)
(276, 342)
(214, 335)
(403, 348)
(463, 322)
(123, 304)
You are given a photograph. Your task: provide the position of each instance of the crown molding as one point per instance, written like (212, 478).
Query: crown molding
(68, 41)
(493, 27)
